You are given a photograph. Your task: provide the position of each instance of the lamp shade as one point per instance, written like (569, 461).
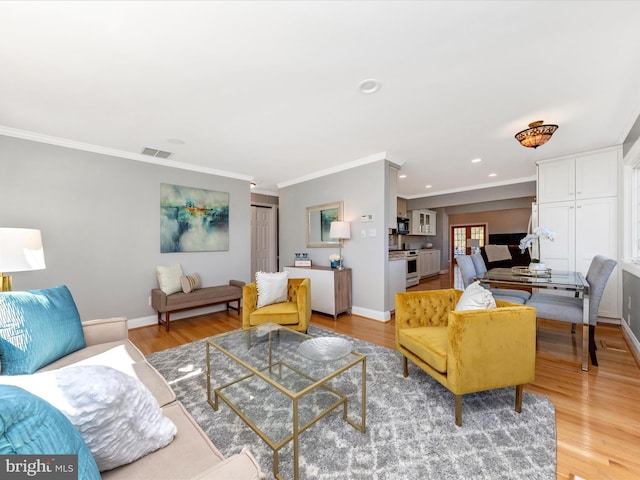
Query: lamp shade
(537, 134)
(473, 242)
(340, 230)
(21, 250)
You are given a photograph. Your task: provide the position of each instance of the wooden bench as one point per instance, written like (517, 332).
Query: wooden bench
(203, 297)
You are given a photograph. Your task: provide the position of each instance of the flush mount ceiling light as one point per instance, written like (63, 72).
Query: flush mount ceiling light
(537, 134)
(369, 86)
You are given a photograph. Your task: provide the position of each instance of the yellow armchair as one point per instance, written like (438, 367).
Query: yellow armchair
(467, 351)
(295, 313)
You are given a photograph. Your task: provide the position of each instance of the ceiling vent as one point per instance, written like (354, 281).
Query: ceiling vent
(152, 152)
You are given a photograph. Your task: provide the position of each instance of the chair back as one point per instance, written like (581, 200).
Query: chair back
(478, 263)
(597, 276)
(467, 270)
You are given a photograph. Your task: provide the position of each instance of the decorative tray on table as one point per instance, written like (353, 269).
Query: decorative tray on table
(546, 272)
(325, 349)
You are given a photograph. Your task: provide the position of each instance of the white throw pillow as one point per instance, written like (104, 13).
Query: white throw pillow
(169, 278)
(117, 416)
(272, 287)
(475, 297)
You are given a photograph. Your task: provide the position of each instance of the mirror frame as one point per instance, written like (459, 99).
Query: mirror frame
(317, 209)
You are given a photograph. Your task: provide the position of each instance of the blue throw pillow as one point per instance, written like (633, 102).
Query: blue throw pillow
(36, 328)
(31, 426)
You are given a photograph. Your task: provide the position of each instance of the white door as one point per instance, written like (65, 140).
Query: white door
(596, 227)
(559, 218)
(263, 239)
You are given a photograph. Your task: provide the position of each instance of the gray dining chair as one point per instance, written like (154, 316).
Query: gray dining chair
(481, 269)
(468, 274)
(570, 309)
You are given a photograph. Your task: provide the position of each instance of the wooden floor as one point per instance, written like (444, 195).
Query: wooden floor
(597, 413)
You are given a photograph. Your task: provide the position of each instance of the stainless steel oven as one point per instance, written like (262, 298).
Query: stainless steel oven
(413, 276)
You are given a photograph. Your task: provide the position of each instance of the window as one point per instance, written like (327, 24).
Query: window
(461, 234)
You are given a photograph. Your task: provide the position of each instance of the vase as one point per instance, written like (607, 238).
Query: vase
(335, 263)
(537, 266)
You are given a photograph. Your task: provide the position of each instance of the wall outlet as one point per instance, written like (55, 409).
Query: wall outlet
(363, 234)
(372, 232)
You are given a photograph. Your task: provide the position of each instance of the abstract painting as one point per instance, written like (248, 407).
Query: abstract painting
(193, 219)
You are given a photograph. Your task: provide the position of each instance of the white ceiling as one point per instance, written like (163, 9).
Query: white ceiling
(268, 90)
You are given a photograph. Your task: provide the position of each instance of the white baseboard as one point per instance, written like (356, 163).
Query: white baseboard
(372, 314)
(153, 319)
(635, 344)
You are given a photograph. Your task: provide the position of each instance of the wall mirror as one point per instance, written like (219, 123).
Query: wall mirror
(319, 218)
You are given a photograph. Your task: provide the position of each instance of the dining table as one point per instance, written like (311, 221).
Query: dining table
(562, 281)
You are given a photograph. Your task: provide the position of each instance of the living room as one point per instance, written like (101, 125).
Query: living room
(95, 197)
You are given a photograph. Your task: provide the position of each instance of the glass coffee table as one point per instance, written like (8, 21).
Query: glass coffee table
(286, 381)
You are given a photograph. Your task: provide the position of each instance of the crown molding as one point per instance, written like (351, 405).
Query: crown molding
(88, 147)
(376, 157)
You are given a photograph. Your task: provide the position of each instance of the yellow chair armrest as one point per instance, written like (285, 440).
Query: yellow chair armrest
(491, 348)
(249, 302)
(304, 303)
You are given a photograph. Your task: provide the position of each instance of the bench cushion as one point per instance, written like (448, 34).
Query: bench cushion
(219, 294)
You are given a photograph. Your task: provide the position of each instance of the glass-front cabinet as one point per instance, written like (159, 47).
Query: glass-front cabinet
(423, 222)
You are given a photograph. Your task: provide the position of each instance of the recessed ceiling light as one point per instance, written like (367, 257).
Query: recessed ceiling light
(369, 86)
(493, 174)
(402, 176)
(476, 160)
(428, 186)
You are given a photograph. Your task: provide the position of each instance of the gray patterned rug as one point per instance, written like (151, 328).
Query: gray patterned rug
(410, 426)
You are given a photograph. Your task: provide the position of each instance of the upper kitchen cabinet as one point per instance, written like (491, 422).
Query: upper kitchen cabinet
(423, 222)
(402, 207)
(591, 175)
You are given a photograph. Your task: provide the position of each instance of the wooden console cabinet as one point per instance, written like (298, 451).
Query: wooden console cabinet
(330, 288)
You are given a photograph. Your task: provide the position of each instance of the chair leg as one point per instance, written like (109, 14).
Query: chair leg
(519, 398)
(459, 410)
(405, 367)
(592, 345)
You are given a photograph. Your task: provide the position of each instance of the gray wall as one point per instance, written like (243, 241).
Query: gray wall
(362, 189)
(100, 222)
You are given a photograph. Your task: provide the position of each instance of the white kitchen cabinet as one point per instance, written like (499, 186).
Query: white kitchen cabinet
(434, 262)
(584, 176)
(423, 222)
(330, 288)
(428, 263)
(402, 207)
(584, 217)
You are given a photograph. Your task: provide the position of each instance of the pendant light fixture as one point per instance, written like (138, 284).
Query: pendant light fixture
(537, 134)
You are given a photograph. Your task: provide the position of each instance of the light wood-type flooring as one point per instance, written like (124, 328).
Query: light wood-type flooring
(597, 413)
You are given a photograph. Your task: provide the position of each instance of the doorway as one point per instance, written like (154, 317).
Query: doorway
(264, 239)
(467, 239)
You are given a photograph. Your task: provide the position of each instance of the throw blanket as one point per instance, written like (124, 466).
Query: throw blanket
(495, 253)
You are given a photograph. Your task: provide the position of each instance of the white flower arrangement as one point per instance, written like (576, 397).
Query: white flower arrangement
(334, 257)
(538, 233)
